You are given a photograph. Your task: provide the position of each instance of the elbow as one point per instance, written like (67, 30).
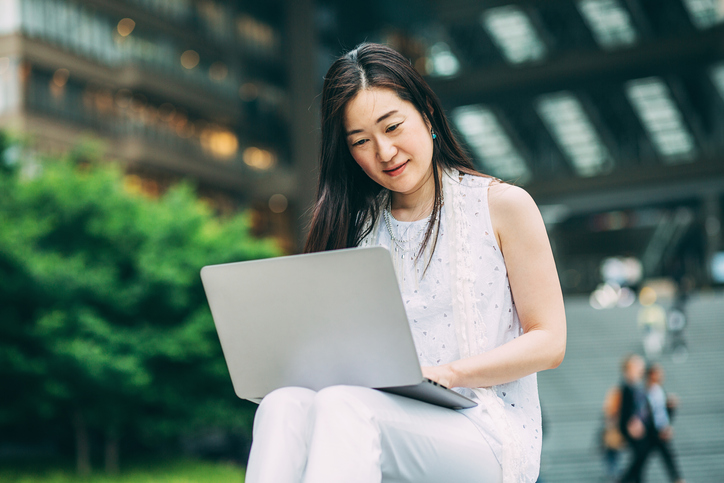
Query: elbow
(550, 346)
(557, 355)
(557, 358)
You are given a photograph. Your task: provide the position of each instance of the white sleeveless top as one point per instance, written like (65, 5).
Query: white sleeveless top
(508, 415)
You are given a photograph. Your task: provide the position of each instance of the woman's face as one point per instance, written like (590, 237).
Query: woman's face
(390, 140)
(635, 369)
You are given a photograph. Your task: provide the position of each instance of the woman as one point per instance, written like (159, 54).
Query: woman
(392, 174)
(634, 416)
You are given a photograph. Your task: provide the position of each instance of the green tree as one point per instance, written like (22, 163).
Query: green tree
(103, 319)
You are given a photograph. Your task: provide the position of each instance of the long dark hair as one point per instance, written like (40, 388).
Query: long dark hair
(346, 197)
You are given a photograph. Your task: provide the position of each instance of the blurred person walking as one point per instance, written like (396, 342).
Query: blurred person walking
(612, 441)
(635, 416)
(465, 246)
(662, 411)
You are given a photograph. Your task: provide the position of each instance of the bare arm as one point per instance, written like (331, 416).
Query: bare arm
(537, 293)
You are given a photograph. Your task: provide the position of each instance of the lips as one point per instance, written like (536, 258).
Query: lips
(396, 170)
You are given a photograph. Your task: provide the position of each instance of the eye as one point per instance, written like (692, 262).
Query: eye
(393, 127)
(359, 143)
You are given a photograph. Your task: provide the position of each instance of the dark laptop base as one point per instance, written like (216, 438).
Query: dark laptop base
(433, 393)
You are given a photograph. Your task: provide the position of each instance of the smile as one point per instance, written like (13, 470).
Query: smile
(397, 170)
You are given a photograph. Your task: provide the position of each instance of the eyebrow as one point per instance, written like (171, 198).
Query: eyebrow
(381, 118)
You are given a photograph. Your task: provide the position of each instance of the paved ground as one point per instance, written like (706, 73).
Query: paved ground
(572, 395)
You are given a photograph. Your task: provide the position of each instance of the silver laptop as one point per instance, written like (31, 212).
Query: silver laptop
(318, 320)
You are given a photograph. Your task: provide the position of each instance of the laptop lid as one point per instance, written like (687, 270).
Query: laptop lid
(312, 320)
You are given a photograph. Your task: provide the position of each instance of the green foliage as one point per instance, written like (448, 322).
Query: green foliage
(102, 312)
(170, 472)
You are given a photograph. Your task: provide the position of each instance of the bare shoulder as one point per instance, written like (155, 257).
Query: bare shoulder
(513, 212)
(509, 200)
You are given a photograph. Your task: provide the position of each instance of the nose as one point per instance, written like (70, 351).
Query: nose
(386, 149)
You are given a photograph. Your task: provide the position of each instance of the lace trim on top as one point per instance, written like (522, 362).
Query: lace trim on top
(470, 327)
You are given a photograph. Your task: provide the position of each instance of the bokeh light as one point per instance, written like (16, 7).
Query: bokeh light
(647, 296)
(278, 203)
(60, 77)
(221, 143)
(259, 158)
(190, 59)
(125, 27)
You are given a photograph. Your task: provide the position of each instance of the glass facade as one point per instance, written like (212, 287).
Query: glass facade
(175, 10)
(202, 77)
(119, 113)
(78, 29)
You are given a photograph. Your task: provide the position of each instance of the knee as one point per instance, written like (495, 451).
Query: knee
(338, 395)
(291, 401)
(343, 402)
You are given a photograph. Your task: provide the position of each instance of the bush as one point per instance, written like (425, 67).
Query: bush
(104, 327)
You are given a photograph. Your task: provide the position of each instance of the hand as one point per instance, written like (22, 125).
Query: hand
(666, 434)
(442, 375)
(672, 401)
(636, 428)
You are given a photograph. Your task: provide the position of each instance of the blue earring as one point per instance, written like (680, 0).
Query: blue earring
(434, 136)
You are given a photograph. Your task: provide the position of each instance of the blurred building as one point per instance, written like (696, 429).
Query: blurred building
(175, 88)
(609, 112)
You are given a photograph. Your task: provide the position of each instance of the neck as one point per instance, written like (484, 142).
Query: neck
(415, 205)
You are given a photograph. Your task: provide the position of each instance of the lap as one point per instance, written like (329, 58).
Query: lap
(418, 441)
(422, 442)
(391, 410)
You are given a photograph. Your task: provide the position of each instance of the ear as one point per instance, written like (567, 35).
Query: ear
(429, 107)
(431, 111)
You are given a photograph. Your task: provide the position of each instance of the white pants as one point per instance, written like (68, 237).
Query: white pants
(354, 434)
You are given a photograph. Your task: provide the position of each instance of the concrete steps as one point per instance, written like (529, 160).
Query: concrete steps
(572, 395)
